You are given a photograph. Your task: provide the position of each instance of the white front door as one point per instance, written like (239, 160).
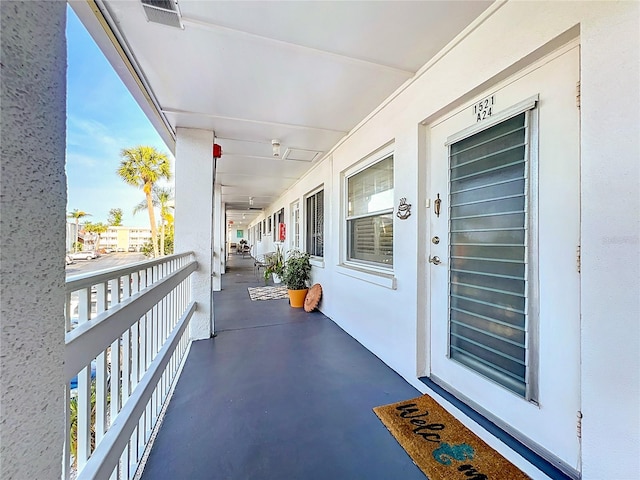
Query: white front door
(505, 287)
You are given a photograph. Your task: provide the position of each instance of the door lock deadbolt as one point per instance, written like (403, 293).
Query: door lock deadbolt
(435, 240)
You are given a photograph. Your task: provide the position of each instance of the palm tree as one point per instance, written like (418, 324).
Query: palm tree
(142, 167)
(77, 214)
(97, 228)
(161, 197)
(115, 217)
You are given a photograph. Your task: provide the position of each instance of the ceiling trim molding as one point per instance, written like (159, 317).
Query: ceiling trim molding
(282, 43)
(175, 111)
(279, 160)
(253, 175)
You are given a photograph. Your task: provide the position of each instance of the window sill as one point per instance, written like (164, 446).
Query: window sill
(387, 280)
(317, 262)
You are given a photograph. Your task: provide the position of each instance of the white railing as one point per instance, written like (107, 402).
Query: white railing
(126, 338)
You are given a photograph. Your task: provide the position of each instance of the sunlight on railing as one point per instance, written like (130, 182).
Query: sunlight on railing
(127, 333)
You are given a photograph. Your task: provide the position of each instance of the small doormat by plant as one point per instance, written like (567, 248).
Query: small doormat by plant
(441, 446)
(268, 293)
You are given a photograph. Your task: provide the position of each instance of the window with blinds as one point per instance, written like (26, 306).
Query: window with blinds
(370, 214)
(488, 217)
(315, 224)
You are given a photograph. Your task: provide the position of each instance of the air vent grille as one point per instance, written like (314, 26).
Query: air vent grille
(301, 155)
(165, 12)
(166, 4)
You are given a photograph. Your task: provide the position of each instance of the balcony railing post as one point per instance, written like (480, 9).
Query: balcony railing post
(115, 381)
(101, 371)
(83, 422)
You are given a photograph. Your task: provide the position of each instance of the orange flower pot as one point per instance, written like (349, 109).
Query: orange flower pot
(296, 297)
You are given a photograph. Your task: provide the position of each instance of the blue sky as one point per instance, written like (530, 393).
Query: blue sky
(102, 119)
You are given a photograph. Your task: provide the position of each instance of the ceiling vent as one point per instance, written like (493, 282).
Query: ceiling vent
(300, 155)
(165, 12)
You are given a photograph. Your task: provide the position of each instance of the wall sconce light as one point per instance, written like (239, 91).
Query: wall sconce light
(275, 144)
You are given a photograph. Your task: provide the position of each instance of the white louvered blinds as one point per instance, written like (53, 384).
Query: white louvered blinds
(370, 214)
(488, 251)
(315, 224)
(295, 226)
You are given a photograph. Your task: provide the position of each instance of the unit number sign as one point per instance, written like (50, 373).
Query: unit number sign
(484, 108)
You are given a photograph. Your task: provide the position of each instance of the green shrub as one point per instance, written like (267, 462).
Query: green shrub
(297, 270)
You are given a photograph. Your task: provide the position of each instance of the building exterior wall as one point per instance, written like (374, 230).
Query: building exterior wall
(33, 184)
(610, 240)
(115, 237)
(123, 237)
(388, 315)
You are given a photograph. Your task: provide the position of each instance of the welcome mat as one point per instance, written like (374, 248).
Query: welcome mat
(268, 293)
(441, 446)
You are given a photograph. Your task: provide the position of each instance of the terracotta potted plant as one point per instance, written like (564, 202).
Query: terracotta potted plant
(274, 266)
(297, 273)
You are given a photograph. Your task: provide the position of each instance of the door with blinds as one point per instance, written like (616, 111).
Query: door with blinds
(504, 223)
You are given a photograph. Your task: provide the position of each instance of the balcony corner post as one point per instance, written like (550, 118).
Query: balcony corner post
(33, 184)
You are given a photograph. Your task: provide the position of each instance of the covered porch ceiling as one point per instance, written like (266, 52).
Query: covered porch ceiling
(303, 73)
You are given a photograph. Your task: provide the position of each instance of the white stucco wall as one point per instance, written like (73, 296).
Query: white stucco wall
(194, 218)
(611, 243)
(390, 321)
(33, 192)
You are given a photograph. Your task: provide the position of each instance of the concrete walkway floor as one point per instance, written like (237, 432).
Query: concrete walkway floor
(278, 394)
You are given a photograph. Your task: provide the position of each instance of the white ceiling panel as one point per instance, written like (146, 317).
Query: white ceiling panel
(401, 34)
(305, 73)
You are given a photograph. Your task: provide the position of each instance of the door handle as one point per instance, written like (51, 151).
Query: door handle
(435, 260)
(436, 206)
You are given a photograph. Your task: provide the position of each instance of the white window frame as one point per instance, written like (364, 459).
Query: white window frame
(306, 220)
(295, 234)
(364, 266)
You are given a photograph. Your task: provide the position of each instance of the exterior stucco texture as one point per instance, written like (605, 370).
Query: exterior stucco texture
(32, 200)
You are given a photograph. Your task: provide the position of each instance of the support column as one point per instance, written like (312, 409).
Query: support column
(194, 218)
(218, 241)
(32, 237)
(223, 233)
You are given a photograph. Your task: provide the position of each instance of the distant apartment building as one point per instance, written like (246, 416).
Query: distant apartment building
(125, 238)
(122, 239)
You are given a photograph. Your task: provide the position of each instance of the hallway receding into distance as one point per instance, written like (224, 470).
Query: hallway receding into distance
(278, 394)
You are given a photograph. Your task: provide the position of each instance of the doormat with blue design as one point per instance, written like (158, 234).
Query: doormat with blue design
(268, 293)
(441, 446)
